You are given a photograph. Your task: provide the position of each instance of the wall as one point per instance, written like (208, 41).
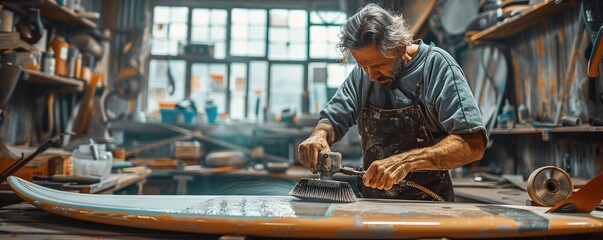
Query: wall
(540, 58)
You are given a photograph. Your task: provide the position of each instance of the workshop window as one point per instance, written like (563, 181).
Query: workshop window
(286, 86)
(258, 81)
(324, 30)
(287, 34)
(238, 87)
(170, 28)
(209, 26)
(248, 32)
(208, 83)
(159, 84)
(323, 80)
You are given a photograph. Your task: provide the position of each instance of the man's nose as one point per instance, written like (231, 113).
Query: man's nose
(373, 75)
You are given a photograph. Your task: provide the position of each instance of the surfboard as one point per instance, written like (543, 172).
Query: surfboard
(286, 216)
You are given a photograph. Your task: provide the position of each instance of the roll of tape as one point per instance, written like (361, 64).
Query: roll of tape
(549, 185)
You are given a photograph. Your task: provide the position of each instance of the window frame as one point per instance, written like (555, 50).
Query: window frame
(230, 59)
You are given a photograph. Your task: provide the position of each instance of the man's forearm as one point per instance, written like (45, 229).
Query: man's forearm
(453, 151)
(325, 130)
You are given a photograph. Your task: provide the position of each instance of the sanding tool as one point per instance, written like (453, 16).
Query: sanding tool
(325, 189)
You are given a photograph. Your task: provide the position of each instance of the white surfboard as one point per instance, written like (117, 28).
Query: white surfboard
(285, 216)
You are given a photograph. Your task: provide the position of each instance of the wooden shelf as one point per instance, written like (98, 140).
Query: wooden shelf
(516, 24)
(53, 12)
(46, 79)
(531, 130)
(13, 41)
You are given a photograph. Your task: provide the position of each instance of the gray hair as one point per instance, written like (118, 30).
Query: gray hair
(373, 24)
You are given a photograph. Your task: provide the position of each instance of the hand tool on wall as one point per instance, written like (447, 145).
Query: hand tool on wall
(594, 61)
(325, 189)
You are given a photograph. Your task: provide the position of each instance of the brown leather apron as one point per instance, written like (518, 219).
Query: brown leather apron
(387, 132)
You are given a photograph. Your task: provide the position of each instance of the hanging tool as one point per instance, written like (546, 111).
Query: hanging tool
(326, 189)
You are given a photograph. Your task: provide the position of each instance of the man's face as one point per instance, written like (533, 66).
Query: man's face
(374, 64)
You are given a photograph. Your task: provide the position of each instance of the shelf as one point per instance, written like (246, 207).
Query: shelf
(516, 24)
(53, 12)
(531, 130)
(13, 41)
(46, 79)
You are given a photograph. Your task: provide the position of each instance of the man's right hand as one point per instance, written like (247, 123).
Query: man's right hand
(309, 149)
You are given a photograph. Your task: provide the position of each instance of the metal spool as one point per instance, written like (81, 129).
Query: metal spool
(549, 185)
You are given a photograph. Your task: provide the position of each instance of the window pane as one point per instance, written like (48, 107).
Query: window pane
(258, 79)
(285, 87)
(200, 17)
(257, 48)
(218, 17)
(161, 14)
(333, 34)
(318, 33)
(208, 82)
(298, 19)
(220, 50)
(238, 48)
(173, 47)
(239, 15)
(259, 32)
(337, 73)
(297, 35)
(297, 51)
(317, 85)
(239, 32)
(278, 34)
(178, 31)
(159, 47)
(257, 17)
(218, 33)
(277, 51)
(200, 34)
(327, 17)
(179, 14)
(318, 50)
(158, 82)
(238, 84)
(160, 30)
(278, 18)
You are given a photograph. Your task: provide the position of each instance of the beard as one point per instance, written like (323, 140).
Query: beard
(397, 70)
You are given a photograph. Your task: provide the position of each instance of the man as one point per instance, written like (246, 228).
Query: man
(417, 116)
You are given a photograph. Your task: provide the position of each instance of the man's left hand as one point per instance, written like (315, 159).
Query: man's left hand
(384, 173)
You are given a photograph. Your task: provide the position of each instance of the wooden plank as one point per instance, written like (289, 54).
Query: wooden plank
(46, 79)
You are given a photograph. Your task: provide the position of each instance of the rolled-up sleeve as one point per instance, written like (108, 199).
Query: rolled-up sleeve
(451, 99)
(343, 109)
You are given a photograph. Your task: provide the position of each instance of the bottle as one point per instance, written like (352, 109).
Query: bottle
(508, 116)
(60, 48)
(48, 62)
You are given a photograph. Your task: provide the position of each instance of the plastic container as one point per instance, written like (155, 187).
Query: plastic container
(85, 164)
(212, 111)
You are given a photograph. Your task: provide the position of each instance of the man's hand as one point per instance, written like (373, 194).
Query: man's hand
(309, 149)
(320, 140)
(385, 173)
